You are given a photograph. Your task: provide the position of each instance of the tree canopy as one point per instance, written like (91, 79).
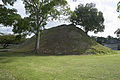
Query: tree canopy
(8, 16)
(11, 2)
(88, 17)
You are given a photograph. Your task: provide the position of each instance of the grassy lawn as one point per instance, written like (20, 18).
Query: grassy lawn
(14, 66)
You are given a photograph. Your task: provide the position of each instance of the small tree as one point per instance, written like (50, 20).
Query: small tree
(6, 40)
(88, 17)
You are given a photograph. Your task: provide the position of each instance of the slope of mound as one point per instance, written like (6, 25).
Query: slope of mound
(65, 39)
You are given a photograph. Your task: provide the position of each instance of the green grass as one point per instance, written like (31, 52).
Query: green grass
(19, 66)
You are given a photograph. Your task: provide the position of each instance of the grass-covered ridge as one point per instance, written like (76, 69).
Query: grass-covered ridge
(21, 66)
(66, 40)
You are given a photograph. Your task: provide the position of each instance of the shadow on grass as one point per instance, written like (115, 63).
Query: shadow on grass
(15, 54)
(25, 54)
(5, 60)
(7, 57)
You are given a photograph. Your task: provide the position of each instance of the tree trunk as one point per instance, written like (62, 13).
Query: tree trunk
(86, 32)
(37, 44)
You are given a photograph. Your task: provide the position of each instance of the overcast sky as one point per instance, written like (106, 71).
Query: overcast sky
(108, 7)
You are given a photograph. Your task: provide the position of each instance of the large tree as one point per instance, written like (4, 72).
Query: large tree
(88, 17)
(39, 11)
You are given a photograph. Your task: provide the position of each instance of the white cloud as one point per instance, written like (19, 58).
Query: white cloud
(1, 2)
(20, 7)
(5, 30)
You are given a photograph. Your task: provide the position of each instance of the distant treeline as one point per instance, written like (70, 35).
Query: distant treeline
(102, 40)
